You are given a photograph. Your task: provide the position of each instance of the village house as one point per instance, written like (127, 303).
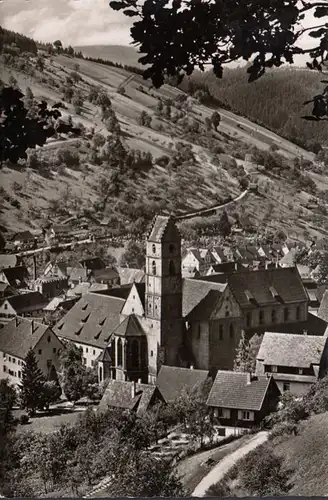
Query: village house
(323, 309)
(93, 263)
(172, 380)
(108, 276)
(218, 255)
(179, 322)
(86, 287)
(28, 304)
(224, 268)
(56, 270)
(62, 303)
(50, 286)
(242, 400)
(132, 396)
(199, 259)
(293, 360)
(17, 277)
(22, 239)
(130, 275)
(20, 335)
(6, 290)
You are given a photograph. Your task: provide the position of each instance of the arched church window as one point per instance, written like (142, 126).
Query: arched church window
(171, 248)
(119, 352)
(171, 268)
(135, 353)
(153, 267)
(154, 248)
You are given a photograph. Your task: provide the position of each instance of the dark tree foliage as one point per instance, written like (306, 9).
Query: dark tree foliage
(23, 43)
(32, 384)
(177, 37)
(8, 398)
(19, 131)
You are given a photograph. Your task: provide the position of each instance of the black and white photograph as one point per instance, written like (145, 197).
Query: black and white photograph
(163, 248)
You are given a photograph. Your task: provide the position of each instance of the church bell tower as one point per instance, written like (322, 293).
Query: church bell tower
(163, 295)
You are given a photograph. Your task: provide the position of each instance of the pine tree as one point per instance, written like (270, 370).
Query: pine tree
(224, 225)
(32, 385)
(243, 360)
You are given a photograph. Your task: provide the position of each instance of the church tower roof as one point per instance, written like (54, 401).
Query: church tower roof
(159, 226)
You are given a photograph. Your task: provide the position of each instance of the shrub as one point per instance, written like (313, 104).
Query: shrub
(15, 203)
(24, 419)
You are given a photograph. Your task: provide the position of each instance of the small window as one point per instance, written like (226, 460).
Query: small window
(227, 313)
(84, 361)
(286, 314)
(94, 352)
(14, 360)
(261, 317)
(18, 361)
(3, 354)
(6, 306)
(151, 354)
(40, 351)
(133, 309)
(134, 297)
(154, 248)
(286, 386)
(298, 313)
(10, 359)
(220, 332)
(19, 374)
(247, 415)
(49, 338)
(300, 371)
(153, 267)
(92, 362)
(4, 368)
(86, 349)
(274, 368)
(54, 350)
(231, 331)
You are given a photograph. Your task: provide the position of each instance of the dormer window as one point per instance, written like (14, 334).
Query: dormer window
(102, 321)
(273, 292)
(249, 296)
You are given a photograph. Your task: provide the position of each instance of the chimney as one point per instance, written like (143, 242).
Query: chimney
(34, 267)
(139, 380)
(133, 390)
(191, 367)
(305, 332)
(249, 378)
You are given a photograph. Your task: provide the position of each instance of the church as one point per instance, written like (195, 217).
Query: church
(130, 331)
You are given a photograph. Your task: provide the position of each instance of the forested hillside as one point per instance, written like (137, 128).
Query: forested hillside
(274, 101)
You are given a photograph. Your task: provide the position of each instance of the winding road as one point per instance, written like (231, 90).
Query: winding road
(221, 469)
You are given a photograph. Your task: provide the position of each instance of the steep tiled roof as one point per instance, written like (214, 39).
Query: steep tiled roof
(323, 309)
(206, 307)
(172, 380)
(288, 260)
(313, 325)
(16, 276)
(230, 390)
(118, 394)
(194, 291)
(285, 281)
(91, 320)
(105, 355)
(77, 274)
(93, 263)
(130, 275)
(27, 302)
(283, 349)
(130, 327)
(17, 337)
(196, 254)
(105, 273)
(220, 253)
(226, 267)
(159, 226)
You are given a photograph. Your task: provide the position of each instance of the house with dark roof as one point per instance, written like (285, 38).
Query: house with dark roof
(218, 255)
(108, 276)
(7, 290)
(172, 380)
(20, 335)
(224, 268)
(30, 304)
(16, 277)
(293, 360)
(129, 396)
(93, 263)
(242, 399)
(56, 269)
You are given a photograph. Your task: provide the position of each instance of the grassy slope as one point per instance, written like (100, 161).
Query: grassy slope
(212, 182)
(307, 454)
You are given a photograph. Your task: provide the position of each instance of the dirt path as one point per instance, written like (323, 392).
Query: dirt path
(219, 471)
